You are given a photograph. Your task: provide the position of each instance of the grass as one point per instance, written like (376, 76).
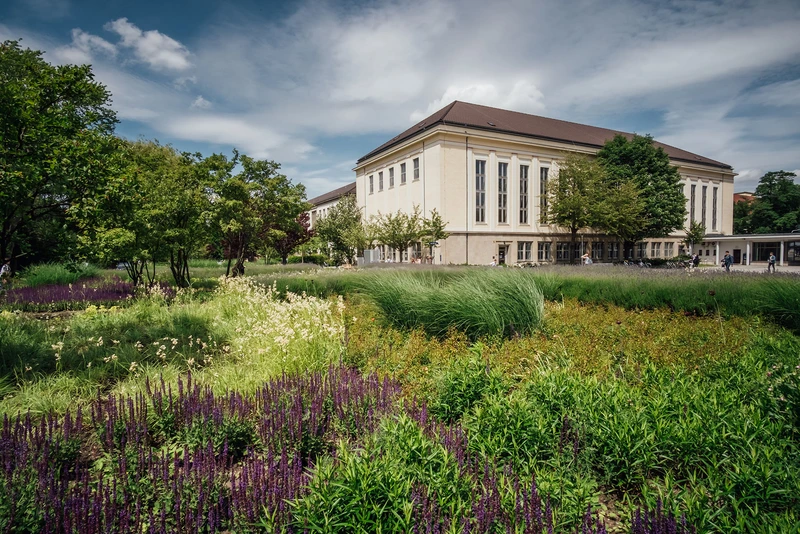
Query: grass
(610, 397)
(57, 274)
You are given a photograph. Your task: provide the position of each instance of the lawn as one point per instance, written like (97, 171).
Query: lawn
(409, 401)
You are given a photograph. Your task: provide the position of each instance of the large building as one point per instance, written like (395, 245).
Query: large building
(486, 170)
(322, 204)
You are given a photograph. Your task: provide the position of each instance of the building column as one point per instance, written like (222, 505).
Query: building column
(781, 262)
(748, 252)
(716, 254)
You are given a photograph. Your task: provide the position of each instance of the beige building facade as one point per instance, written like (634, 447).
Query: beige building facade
(486, 172)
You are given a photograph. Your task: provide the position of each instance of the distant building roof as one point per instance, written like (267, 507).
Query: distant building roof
(349, 189)
(744, 195)
(514, 122)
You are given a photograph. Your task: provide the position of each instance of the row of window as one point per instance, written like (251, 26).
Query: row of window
(415, 166)
(502, 193)
(703, 203)
(566, 251)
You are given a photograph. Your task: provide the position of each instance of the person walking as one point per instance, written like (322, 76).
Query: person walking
(771, 262)
(695, 260)
(494, 262)
(727, 261)
(587, 260)
(5, 274)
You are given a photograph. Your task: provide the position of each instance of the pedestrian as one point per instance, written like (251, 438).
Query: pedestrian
(695, 260)
(5, 274)
(587, 260)
(771, 262)
(727, 261)
(494, 262)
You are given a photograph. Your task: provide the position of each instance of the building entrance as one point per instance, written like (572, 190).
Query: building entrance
(502, 251)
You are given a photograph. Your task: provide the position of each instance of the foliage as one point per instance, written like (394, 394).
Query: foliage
(56, 144)
(316, 259)
(479, 303)
(463, 385)
(295, 235)
(695, 234)
(775, 207)
(576, 194)
(343, 228)
(399, 230)
(434, 230)
(637, 161)
(57, 273)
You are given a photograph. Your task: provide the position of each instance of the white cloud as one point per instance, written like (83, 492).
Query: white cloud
(522, 96)
(159, 51)
(201, 103)
(84, 47)
(780, 94)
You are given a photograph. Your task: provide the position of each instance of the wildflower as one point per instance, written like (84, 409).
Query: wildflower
(28, 367)
(115, 342)
(58, 357)
(133, 367)
(190, 362)
(100, 341)
(89, 365)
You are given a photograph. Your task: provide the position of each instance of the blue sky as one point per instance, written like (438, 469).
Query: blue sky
(315, 85)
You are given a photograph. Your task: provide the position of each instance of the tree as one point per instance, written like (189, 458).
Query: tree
(295, 234)
(741, 217)
(776, 207)
(56, 140)
(620, 211)
(255, 208)
(344, 229)
(433, 230)
(657, 181)
(399, 230)
(575, 195)
(695, 234)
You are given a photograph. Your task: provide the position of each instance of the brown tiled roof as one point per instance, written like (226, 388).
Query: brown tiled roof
(349, 189)
(514, 122)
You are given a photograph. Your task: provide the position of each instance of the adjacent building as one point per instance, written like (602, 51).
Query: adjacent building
(322, 204)
(486, 172)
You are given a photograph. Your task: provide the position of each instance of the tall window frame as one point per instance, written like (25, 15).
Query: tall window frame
(543, 178)
(480, 190)
(391, 177)
(692, 198)
(523, 194)
(714, 194)
(703, 198)
(415, 163)
(371, 183)
(524, 250)
(402, 174)
(380, 181)
(543, 251)
(502, 193)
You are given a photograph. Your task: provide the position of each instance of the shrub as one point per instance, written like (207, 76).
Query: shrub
(463, 385)
(58, 274)
(316, 259)
(486, 302)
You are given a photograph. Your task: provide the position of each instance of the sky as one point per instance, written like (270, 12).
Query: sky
(315, 85)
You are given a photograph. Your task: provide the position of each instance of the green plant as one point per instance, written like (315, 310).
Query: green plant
(464, 384)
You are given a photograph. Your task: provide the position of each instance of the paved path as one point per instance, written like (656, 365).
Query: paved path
(756, 268)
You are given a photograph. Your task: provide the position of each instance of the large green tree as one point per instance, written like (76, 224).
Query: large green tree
(576, 194)
(639, 162)
(399, 230)
(56, 142)
(344, 230)
(776, 206)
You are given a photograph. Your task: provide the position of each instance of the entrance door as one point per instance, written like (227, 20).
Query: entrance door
(737, 256)
(502, 250)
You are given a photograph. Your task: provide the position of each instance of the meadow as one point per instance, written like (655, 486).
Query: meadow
(409, 400)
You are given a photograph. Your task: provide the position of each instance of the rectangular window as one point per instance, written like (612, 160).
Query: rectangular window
(391, 177)
(371, 184)
(703, 205)
(543, 194)
(669, 250)
(714, 208)
(380, 181)
(655, 250)
(402, 173)
(502, 192)
(691, 203)
(524, 251)
(613, 251)
(544, 251)
(562, 251)
(416, 168)
(480, 191)
(597, 250)
(523, 194)
(641, 250)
